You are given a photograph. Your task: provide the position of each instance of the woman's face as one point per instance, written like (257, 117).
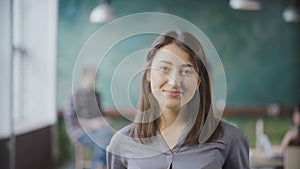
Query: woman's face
(172, 77)
(296, 118)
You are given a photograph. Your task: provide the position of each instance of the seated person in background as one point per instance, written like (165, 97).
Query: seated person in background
(84, 121)
(292, 137)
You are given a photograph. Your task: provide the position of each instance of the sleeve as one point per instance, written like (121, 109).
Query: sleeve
(114, 161)
(238, 154)
(71, 121)
(286, 139)
(98, 99)
(115, 151)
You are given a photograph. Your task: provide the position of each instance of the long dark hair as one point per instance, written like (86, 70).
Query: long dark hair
(147, 123)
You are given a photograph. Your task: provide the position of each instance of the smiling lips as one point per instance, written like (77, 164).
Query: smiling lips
(173, 93)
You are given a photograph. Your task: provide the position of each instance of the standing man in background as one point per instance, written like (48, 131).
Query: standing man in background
(84, 121)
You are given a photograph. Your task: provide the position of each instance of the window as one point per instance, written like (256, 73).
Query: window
(33, 72)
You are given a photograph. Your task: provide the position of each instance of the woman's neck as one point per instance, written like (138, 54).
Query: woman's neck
(170, 117)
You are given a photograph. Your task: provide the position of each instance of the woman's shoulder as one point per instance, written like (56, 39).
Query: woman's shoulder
(234, 139)
(134, 148)
(121, 136)
(231, 132)
(126, 130)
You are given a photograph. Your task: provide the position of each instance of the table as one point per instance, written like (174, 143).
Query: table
(259, 159)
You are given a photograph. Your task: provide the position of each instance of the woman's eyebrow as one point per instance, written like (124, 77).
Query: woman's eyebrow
(187, 65)
(167, 62)
(170, 63)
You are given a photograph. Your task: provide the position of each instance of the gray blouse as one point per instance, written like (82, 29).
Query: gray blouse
(231, 151)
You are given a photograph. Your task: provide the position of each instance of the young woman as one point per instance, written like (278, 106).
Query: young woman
(292, 137)
(175, 127)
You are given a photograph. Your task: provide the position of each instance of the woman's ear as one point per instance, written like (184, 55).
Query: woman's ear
(148, 75)
(199, 81)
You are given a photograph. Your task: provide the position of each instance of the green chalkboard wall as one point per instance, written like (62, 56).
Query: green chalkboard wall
(259, 51)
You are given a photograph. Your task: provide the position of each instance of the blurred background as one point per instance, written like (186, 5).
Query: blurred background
(257, 41)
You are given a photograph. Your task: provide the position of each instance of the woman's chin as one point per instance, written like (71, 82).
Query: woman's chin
(175, 105)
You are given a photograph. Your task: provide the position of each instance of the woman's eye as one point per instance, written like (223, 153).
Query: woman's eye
(187, 72)
(164, 68)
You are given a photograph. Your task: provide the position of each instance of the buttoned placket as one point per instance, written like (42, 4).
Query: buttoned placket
(171, 152)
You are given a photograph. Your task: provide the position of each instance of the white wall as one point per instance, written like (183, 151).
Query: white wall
(35, 73)
(4, 68)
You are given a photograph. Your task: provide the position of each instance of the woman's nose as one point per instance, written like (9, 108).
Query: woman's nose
(174, 79)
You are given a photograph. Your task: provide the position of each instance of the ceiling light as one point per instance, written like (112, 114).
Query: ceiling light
(249, 5)
(292, 12)
(102, 13)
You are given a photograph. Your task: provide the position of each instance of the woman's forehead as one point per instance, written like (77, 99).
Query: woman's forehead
(172, 54)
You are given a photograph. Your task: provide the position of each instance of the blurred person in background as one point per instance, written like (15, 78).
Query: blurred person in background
(292, 137)
(84, 121)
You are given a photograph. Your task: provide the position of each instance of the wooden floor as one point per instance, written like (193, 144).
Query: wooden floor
(66, 165)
